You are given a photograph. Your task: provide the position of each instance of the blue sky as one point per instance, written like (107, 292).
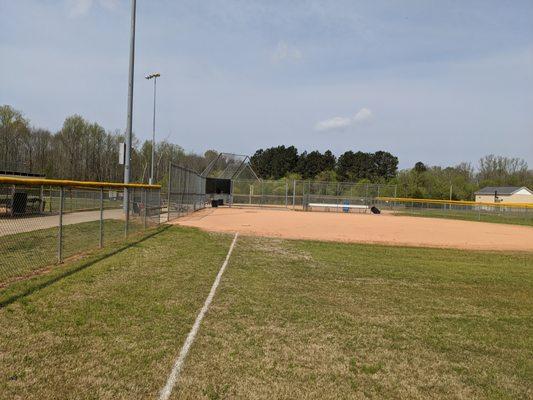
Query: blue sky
(437, 81)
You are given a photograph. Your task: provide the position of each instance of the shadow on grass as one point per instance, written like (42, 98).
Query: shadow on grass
(25, 288)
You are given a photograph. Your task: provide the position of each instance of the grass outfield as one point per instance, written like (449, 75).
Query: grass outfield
(525, 218)
(290, 319)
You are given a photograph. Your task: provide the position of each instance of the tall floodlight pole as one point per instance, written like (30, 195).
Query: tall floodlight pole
(127, 161)
(154, 77)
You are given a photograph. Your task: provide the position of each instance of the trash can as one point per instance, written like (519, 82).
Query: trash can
(20, 202)
(345, 207)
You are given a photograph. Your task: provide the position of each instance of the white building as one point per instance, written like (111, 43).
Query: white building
(504, 194)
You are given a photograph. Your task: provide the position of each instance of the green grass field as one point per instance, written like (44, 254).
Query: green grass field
(502, 218)
(290, 319)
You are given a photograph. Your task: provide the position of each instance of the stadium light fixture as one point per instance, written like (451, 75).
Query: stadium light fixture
(154, 77)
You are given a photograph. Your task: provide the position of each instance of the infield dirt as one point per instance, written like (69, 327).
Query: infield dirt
(364, 228)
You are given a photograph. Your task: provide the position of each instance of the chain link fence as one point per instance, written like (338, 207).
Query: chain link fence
(468, 210)
(297, 194)
(185, 192)
(43, 224)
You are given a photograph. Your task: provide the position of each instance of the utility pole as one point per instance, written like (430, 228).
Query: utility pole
(127, 162)
(154, 77)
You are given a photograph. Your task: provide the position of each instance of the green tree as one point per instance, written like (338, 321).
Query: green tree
(385, 165)
(328, 175)
(310, 165)
(355, 166)
(502, 171)
(14, 137)
(275, 162)
(420, 167)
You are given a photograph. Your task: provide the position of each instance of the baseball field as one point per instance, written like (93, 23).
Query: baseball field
(192, 312)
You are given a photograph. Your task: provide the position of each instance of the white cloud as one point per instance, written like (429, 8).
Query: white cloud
(333, 123)
(284, 52)
(340, 123)
(78, 8)
(364, 114)
(109, 4)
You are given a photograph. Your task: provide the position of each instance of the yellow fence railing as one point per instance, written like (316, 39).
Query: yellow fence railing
(78, 184)
(455, 202)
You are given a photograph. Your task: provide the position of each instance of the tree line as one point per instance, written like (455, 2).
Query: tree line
(458, 182)
(280, 161)
(84, 150)
(461, 181)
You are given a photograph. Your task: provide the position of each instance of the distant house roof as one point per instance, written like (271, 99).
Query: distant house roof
(503, 190)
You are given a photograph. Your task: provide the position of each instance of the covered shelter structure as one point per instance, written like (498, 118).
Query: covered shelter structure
(17, 200)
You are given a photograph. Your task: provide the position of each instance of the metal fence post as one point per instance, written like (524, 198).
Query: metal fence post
(127, 220)
(303, 196)
(230, 193)
(286, 193)
(101, 240)
(60, 231)
(294, 194)
(169, 189)
(185, 198)
(159, 207)
(41, 197)
(145, 206)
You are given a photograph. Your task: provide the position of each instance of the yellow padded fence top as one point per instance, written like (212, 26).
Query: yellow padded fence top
(79, 184)
(455, 202)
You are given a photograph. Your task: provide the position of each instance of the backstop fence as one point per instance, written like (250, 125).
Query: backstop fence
(43, 222)
(297, 194)
(185, 192)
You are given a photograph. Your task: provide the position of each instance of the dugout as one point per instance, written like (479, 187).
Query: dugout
(20, 200)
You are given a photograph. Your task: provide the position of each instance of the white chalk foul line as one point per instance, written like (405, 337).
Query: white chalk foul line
(178, 364)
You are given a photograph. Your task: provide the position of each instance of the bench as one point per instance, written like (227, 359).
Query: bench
(340, 207)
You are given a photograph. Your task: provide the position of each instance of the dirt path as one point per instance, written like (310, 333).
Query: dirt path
(364, 228)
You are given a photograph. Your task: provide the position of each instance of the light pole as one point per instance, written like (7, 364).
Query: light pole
(154, 77)
(127, 161)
